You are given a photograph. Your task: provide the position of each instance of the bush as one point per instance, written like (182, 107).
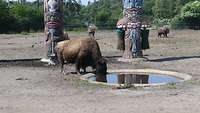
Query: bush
(161, 22)
(7, 21)
(178, 23)
(28, 17)
(190, 13)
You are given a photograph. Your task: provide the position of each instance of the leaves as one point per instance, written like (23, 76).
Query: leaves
(104, 13)
(190, 13)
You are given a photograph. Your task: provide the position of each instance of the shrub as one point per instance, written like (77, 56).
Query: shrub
(178, 23)
(161, 22)
(190, 13)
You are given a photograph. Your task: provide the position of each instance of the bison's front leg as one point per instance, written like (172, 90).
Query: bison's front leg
(166, 35)
(61, 61)
(158, 35)
(84, 70)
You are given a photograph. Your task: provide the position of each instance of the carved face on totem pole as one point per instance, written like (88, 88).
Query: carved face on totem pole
(132, 11)
(53, 5)
(132, 4)
(53, 14)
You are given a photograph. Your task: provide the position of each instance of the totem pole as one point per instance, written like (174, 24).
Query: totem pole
(132, 13)
(53, 20)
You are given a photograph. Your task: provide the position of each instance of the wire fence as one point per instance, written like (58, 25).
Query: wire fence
(112, 26)
(99, 25)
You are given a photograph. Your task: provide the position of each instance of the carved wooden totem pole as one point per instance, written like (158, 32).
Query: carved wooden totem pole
(53, 20)
(132, 13)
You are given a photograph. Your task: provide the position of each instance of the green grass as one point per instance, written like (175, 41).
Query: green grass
(24, 33)
(171, 85)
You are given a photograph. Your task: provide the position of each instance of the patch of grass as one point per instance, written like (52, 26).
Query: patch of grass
(76, 30)
(77, 82)
(193, 82)
(94, 86)
(172, 85)
(24, 33)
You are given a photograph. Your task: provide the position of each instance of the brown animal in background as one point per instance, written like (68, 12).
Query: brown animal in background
(163, 31)
(83, 52)
(65, 36)
(91, 30)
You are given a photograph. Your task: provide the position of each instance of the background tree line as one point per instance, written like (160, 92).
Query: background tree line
(17, 16)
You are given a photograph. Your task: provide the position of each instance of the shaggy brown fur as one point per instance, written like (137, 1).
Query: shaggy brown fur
(163, 31)
(101, 70)
(83, 52)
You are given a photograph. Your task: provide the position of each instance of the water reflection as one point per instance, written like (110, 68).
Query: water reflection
(131, 79)
(135, 79)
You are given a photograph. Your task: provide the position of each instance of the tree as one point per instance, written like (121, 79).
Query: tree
(7, 21)
(148, 12)
(164, 9)
(190, 13)
(72, 12)
(29, 17)
(148, 5)
(103, 13)
(179, 4)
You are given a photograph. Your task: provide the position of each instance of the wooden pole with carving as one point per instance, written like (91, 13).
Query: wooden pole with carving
(132, 12)
(53, 20)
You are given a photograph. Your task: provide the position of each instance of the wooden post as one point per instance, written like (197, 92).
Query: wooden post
(53, 20)
(132, 11)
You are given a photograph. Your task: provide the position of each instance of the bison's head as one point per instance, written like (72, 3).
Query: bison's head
(167, 30)
(101, 70)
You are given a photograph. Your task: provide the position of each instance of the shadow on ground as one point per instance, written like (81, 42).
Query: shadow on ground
(173, 58)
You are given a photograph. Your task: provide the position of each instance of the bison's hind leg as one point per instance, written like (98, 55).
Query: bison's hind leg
(84, 69)
(159, 35)
(166, 35)
(61, 66)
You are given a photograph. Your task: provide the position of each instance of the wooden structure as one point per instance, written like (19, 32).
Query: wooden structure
(53, 20)
(132, 10)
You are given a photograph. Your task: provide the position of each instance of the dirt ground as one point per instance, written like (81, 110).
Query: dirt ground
(32, 87)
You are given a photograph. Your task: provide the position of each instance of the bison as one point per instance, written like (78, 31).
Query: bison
(91, 30)
(163, 31)
(83, 52)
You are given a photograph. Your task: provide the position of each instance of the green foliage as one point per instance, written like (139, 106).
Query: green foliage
(103, 13)
(178, 23)
(164, 9)
(15, 17)
(72, 12)
(161, 22)
(6, 19)
(28, 17)
(190, 13)
(148, 12)
(170, 12)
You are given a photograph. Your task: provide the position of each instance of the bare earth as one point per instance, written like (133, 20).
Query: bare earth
(30, 87)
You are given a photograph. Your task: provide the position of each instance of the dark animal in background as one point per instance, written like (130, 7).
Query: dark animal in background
(163, 31)
(83, 52)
